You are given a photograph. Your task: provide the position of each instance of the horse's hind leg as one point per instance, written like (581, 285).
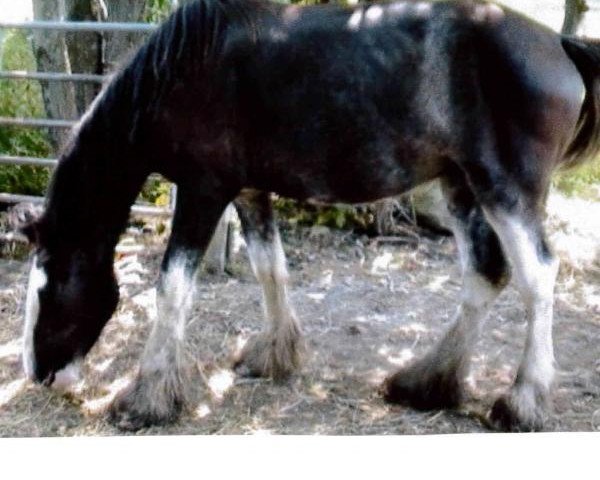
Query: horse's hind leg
(437, 380)
(158, 393)
(277, 351)
(535, 268)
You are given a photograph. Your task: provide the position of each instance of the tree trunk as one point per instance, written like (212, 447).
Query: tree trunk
(118, 45)
(85, 50)
(574, 12)
(51, 54)
(80, 52)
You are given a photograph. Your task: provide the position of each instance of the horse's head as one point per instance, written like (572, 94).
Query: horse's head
(71, 295)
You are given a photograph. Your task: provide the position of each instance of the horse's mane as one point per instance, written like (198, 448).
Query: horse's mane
(188, 43)
(193, 37)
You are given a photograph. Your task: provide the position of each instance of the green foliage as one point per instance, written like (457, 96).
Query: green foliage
(157, 192)
(157, 10)
(583, 181)
(21, 99)
(335, 216)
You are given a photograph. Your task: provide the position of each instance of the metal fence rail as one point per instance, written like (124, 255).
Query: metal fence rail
(37, 122)
(138, 209)
(63, 26)
(32, 161)
(52, 76)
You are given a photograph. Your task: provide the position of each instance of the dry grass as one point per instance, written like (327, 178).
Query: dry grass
(367, 308)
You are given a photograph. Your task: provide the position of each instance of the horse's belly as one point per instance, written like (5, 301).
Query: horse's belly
(349, 179)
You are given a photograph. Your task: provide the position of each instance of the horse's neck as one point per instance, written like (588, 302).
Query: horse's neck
(93, 188)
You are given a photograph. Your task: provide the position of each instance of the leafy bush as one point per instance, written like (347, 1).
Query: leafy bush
(581, 180)
(156, 191)
(19, 98)
(158, 10)
(334, 216)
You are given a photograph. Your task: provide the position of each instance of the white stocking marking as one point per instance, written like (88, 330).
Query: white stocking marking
(269, 266)
(173, 301)
(535, 279)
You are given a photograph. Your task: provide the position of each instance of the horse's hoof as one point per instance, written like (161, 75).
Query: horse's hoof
(423, 390)
(506, 416)
(265, 355)
(134, 409)
(129, 421)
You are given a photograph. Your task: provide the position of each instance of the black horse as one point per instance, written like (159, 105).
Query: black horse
(232, 99)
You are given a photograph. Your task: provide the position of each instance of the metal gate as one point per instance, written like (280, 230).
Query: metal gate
(63, 26)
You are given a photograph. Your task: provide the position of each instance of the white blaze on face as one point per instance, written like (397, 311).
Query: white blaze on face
(37, 281)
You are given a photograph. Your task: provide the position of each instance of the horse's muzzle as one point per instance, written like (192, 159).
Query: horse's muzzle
(64, 378)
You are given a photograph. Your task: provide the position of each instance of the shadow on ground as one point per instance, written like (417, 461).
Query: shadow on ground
(367, 308)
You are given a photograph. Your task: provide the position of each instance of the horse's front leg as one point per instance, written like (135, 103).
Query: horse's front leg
(158, 394)
(277, 351)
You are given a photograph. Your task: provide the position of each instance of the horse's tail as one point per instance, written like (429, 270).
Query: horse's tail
(585, 54)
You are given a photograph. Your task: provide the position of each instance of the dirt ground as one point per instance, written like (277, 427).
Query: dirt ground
(367, 307)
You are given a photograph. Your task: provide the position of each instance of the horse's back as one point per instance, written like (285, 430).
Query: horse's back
(367, 102)
(352, 104)
(334, 92)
